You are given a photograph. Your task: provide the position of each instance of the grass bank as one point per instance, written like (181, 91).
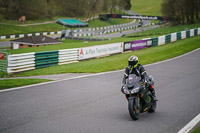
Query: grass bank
(147, 7)
(12, 29)
(197, 130)
(116, 62)
(166, 29)
(10, 83)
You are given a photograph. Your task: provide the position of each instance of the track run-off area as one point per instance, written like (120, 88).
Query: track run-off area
(95, 104)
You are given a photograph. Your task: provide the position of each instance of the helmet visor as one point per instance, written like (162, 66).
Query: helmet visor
(132, 63)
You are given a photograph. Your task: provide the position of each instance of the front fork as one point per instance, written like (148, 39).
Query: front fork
(136, 98)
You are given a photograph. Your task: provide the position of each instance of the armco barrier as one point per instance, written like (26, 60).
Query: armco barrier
(168, 38)
(34, 60)
(21, 62)
(178, 35)
(173, 37)
(191, 32)
(187, 33)
(155, 41)
(195, 32)
(46, 59)
(198, 31)
(67, 56)
(30, 34)
(183, 34)
(161, 40)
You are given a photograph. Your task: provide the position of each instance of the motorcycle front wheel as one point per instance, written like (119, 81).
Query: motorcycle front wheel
(133, 110)
(153, 107)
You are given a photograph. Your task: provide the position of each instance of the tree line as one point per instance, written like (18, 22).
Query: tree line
(39, 9)
(181, 11)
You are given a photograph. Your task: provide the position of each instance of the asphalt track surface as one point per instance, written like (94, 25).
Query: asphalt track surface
(94, 104)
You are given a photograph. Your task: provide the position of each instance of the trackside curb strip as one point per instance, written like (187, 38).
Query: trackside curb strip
(190, 125)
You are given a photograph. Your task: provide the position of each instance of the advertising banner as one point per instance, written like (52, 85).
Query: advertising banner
(139, 44)
(105, 16)
(135, 45)
(1, 56)
(127, 46)
(101, 50)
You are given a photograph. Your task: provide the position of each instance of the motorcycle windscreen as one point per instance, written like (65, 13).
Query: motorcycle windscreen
(133, 80)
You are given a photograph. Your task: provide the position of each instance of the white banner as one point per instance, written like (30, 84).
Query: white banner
(191, 32)
(198, 31)
(100, 50)
(183, 34)
(173, 37)
(161, 40)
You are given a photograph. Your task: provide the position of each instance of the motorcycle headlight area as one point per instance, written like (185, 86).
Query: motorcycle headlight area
(126, 91)
(136, 90)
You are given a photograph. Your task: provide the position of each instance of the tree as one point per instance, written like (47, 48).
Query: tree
(181, 11)
(127, 4)
(38, 9)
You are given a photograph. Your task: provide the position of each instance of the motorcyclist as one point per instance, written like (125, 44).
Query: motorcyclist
(135, 68)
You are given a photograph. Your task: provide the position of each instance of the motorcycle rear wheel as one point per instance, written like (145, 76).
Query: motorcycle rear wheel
(133, 111)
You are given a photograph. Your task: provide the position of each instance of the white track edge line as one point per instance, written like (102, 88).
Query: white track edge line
(187, 128)
(89, 75)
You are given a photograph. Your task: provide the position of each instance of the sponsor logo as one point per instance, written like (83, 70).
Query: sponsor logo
(149, 43)
(114, 15)
(138, 44)
(95, 51)
(141, 17)
(81, 52)
(1, 56)
(127, 46)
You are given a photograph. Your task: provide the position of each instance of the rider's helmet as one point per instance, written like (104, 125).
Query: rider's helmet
(133, 60)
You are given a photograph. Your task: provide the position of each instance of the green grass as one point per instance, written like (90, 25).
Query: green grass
(116, 62)
(10, 83)
(147, 7)
(68, 44)
(166, 29)
(12, 29)
(197, 130)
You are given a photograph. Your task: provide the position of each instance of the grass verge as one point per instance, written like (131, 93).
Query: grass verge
(117, 62)
(167, 29)
(14, 29)
(10, 83)
(197, 130)
(147, 7)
